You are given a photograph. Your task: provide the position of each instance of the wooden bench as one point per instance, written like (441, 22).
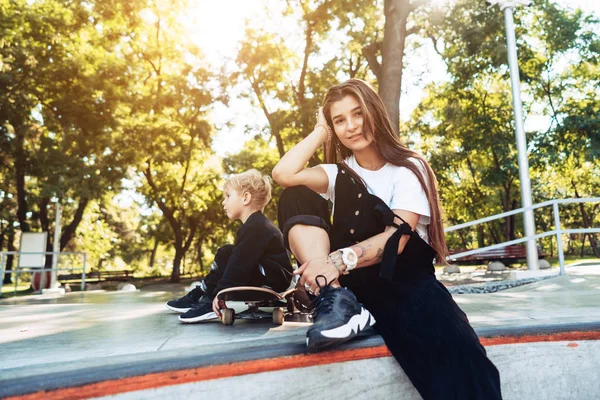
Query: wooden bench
(506, 255)
(98, 276)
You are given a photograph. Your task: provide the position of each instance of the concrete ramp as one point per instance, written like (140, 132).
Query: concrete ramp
(545, 342)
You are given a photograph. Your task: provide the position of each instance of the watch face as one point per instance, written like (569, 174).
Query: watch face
(349, 257)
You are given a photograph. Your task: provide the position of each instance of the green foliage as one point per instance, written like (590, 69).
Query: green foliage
(466, 126)
(98, 95)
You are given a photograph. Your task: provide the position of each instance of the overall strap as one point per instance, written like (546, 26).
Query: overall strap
(390, 251)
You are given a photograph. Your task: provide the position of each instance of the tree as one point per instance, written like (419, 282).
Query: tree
(289, 83)
(165, 124)
(466, 124)
(386, 56)
(59, 108)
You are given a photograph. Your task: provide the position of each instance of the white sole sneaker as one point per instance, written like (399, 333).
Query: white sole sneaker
(206, 317)
(178, 310)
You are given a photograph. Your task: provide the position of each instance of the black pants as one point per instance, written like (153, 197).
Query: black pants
(254, 277)
(300, 205)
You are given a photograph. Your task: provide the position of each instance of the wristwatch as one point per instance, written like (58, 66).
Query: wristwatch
(349, 258)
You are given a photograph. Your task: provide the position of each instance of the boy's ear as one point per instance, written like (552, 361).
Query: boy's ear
(247, 198)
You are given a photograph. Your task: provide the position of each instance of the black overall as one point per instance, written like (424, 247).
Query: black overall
(426, 331)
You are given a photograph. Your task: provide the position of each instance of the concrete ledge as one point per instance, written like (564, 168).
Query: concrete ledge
(202, 368)
(555, 370)
(515, 275)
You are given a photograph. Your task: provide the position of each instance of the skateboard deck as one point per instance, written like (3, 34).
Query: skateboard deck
(260, 297)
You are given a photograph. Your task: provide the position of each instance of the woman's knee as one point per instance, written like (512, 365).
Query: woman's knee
(294, 195)
(299, 205)
(300, 200)
(303, 221)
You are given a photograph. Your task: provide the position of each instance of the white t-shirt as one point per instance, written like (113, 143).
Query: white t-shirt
(398, 187)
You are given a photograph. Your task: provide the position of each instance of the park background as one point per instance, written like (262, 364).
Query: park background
(132, 113)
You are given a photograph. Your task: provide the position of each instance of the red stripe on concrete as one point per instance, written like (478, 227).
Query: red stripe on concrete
(552, 337)
(161, 379)
(156, 380)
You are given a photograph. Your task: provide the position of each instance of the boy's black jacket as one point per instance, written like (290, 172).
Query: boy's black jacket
(258, 242)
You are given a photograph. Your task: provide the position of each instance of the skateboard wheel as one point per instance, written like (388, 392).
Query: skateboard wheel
(278, 315)
(228, 316)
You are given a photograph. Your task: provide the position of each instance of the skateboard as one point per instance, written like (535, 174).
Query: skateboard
(259, 297)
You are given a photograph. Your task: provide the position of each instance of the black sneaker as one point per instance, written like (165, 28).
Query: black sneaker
(338, 318)
(183, 304)
(201, 311)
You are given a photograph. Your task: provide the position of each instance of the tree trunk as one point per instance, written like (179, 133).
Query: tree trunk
(480, 236)
(305, 113)
(570, 245)
(392, 57)
(495, 235)
(389, 71)
(153, 253)
(505, 200)
(275, 131)
(20, 171)
(175, 274)
(10, 246)
(45, 224)
(70, 229)
(463, 239)
(512, 221)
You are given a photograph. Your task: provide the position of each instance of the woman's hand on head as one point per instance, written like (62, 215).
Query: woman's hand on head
(322, 127)
(311, 269)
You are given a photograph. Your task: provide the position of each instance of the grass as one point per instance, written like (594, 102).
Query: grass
(23, 289)
(571, 260)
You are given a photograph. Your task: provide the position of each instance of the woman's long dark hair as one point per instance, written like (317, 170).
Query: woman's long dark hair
(377, 124)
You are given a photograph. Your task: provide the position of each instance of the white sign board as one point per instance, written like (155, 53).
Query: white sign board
(32, 242)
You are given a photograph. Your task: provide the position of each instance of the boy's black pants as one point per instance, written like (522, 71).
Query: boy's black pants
(255, 277)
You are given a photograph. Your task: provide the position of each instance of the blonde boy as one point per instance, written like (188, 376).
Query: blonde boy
(257, 258)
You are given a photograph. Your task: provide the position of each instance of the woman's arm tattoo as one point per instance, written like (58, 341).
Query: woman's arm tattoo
(377, 256)
(362, 250)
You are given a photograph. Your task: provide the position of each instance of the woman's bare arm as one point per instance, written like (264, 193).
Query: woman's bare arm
(291, 171)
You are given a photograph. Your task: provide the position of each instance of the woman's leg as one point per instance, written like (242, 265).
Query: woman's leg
(308, 243)
(304, 219)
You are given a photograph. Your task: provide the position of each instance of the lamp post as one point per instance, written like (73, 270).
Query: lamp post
(507, 7)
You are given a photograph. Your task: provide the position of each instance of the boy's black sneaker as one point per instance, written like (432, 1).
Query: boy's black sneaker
(183, 304)
(338, 318)
(201, 311)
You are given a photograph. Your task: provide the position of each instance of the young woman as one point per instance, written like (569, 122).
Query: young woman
(386, 232)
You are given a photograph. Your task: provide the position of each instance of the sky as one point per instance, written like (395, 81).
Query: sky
(218, 26)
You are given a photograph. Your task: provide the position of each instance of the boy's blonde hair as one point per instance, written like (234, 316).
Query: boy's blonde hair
(252, 181)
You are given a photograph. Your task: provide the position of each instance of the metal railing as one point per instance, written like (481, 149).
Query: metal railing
(20, 270)
(558, 231)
